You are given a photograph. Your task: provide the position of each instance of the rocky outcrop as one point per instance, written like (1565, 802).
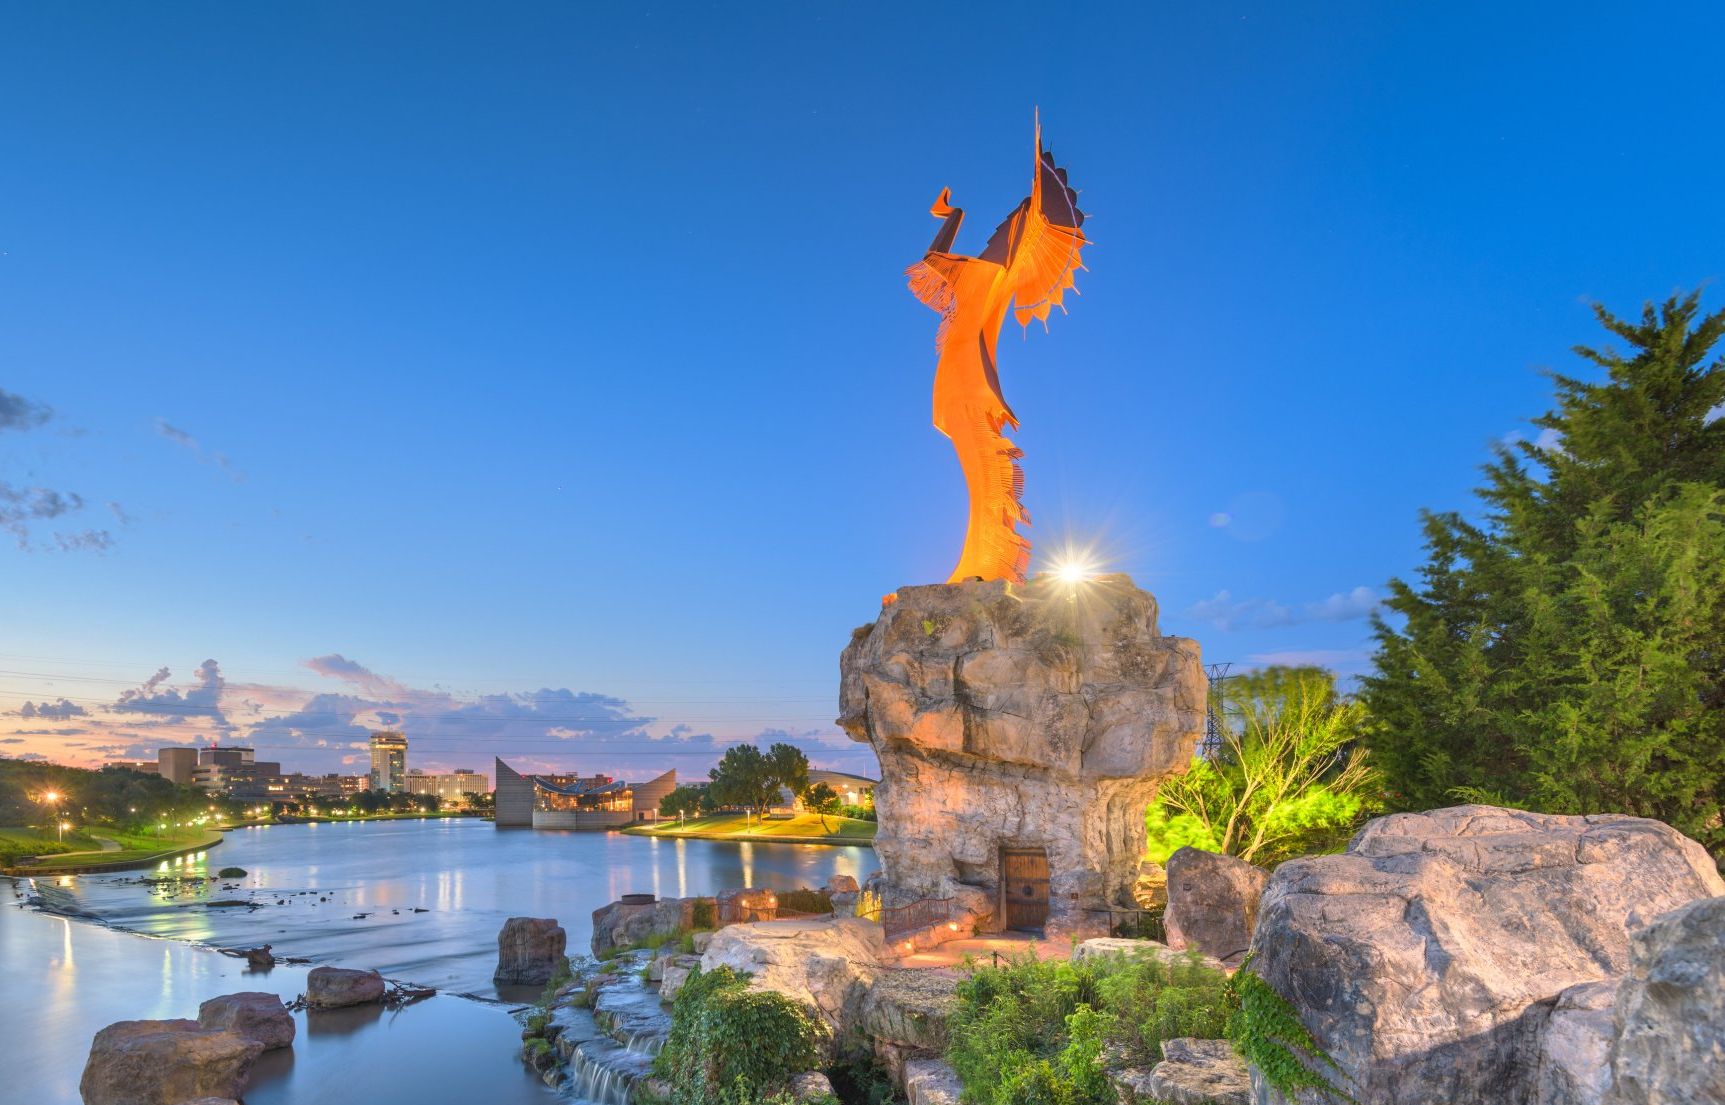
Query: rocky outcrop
(826, 965)
(631, 924)
(335, 987)
(1192, 1072)
(1427, 958)
(810, 1085)
(1033, 716)
(165, 1063)
(1574, 1063)
(931, 1082)
(530, 951)
(1212, 902)
(746, 905)
(252, 1014)
(1670, 1011)
(904, 1015)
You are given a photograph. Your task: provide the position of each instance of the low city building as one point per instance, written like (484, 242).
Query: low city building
(576, 802)
(454, 788)
(853, 790)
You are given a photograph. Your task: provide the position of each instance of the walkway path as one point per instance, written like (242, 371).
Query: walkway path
(950, 957)
(107, 846)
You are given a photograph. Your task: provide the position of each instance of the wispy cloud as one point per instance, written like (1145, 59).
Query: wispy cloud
(185, 439)
(19, 413)
(1226, 612)
(58, 711)
(23, 508)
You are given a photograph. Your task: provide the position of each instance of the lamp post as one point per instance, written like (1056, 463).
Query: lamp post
(52, 798)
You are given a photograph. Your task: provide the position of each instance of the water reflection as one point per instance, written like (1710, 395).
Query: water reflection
(61, 981)
(423, 900)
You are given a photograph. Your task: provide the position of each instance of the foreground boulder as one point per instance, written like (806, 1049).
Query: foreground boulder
(1192, 1072)
(165, 1063)
(1212, 902)
(1670, 1011)
(904, 1013)
(1030, 717)
(256, 1016)
(1427, 958)
(335, 987)
(530, 950)
(1574, 1065)
(931, 1082)
(825, 965)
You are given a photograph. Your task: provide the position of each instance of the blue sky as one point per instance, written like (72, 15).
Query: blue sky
(439, 355)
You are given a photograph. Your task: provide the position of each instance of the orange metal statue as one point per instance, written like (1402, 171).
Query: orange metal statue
(1026, 267)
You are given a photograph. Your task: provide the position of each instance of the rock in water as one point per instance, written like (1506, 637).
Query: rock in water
(628, 924)
(530, 950)
(254, 1015)
(1212, 902)
(165, 1063)
(1670, 1016)
(1038, 717)
(335, 987)
(1427, 958)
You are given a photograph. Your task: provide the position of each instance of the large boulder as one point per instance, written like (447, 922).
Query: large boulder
(630, 924)
(1212, 902)
(530, 951)
(904, 1015)
(1670, 1012)
(1427, 958)
(745, 905)
(252, 1014)
(826, 965)
(335, 987)
(165, 1063)
(1039, 716)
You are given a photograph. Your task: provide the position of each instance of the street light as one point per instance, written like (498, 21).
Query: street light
(52, 798)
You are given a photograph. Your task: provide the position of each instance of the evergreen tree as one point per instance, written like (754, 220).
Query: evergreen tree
(1567, 651)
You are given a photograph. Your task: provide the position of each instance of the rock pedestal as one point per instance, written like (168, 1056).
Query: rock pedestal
(1037, 717)
(530, 950)
(1433, 957)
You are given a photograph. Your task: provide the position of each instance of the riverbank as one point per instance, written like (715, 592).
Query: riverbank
(142, 853)
(804, 828)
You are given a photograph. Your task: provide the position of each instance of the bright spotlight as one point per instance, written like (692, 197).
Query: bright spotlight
(1073, 571)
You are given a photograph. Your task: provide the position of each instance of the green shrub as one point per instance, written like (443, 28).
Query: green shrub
(705, 914)
(231, 873)
(1267, 1032)
(686, 943)
(805, 901)
(1033, 1032)
(731, 1044)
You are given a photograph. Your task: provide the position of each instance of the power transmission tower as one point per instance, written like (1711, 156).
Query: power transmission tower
(1213, 722)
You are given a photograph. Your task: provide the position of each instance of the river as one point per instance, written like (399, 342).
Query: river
(348, 892)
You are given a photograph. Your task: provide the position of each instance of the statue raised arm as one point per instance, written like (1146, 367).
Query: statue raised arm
(1026, 268)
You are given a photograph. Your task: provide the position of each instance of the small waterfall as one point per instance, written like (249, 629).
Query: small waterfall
(604, 1072)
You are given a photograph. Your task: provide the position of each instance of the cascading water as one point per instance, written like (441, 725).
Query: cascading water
(607, 1051)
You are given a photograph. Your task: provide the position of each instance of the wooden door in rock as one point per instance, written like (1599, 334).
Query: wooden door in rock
(1024, 887)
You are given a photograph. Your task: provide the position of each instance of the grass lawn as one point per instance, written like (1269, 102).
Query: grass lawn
(738, 825)
(17, 843)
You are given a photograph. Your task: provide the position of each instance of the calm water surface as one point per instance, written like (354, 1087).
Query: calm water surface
(347, 894)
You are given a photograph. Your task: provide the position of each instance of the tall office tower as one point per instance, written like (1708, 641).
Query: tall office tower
(389, 762)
